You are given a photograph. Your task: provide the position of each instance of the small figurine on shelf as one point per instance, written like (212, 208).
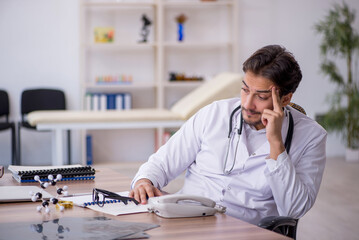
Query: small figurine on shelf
(181, 19)
(182, 77)
(45, 203)
(145, 31)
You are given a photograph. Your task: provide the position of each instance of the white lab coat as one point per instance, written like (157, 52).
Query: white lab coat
(251, 191)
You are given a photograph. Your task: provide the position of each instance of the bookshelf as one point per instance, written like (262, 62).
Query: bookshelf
(210, 46)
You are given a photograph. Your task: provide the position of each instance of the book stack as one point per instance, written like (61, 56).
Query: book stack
(25, 174)
(108, 101)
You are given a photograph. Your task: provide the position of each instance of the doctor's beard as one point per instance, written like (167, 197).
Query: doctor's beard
(254, 124)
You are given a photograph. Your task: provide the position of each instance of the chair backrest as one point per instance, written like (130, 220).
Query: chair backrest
(297, 107)
(42, 99)
(4, 104)
(224, 85)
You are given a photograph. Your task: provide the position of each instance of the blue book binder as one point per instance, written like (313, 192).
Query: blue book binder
(89, 159)
(111, 101)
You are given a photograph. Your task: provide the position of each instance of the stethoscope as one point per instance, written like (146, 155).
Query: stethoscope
(287, 144)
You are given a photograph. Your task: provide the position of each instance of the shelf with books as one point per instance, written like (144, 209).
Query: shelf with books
(209, 47)
(108, 101)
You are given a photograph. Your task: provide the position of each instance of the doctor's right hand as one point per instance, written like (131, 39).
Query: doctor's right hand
(144, 189)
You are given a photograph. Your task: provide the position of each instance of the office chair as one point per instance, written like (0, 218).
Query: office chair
(4, 113)
(286, 226)
(40, 99)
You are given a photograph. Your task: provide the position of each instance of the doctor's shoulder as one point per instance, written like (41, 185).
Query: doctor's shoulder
(306, 126)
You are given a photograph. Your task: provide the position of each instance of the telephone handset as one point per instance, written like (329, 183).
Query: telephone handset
(182, 205)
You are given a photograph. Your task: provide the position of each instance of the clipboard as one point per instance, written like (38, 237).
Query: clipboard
(20, 193)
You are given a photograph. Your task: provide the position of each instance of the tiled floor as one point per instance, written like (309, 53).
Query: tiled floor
(335, 214)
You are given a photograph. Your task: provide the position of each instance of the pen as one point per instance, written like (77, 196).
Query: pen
(78, 194)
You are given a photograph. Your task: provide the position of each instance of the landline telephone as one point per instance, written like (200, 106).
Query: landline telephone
(183, 205)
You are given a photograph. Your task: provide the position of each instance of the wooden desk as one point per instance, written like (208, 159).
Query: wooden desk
(215, 227)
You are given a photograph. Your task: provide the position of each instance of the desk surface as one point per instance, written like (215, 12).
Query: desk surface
(219, 226)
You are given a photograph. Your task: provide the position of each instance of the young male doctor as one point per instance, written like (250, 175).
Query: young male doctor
(267, 159)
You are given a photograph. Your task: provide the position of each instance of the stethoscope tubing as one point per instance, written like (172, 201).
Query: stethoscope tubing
(287, 144)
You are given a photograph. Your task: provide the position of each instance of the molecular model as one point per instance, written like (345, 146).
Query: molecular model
(45, 203)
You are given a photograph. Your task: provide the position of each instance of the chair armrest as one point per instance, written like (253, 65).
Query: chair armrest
(273, 222)
(281, 224)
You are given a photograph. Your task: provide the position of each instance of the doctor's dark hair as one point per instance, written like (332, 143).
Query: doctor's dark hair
(277, 64)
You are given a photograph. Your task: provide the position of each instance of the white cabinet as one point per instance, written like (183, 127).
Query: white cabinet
(209, 47)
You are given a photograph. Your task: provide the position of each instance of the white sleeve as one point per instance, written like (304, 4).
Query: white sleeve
(295, 187)
(175, 156)
(273, 164)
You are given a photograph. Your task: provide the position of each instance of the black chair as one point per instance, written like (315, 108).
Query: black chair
(286, 226)
(4, 125)
(37, 100)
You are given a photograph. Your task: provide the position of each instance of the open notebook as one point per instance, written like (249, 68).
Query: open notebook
(112, 208)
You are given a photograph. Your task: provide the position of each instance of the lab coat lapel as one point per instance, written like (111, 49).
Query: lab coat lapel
(263, 150)
(242, 149)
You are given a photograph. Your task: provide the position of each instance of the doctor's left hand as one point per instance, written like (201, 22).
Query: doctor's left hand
(144, 189)
(272, 120)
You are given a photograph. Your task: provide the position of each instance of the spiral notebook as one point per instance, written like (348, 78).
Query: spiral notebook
(25, 174)
(110, 207)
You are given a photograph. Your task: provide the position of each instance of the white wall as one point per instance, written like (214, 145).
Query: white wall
(39, 47)
(291, 24)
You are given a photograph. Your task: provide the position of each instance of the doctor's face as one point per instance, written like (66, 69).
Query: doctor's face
(256, 96)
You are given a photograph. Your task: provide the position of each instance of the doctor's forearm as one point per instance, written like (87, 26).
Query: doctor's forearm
(276, 148)
(292, 196)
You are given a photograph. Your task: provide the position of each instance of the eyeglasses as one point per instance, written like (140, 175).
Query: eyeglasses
(99, 197)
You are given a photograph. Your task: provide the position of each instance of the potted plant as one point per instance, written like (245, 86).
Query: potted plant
(340, 42)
